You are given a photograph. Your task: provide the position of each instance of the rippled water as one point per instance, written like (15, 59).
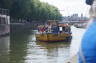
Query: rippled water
(4, 49)
(24, 49)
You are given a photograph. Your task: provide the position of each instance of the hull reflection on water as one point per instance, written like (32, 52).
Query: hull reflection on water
(42, 52)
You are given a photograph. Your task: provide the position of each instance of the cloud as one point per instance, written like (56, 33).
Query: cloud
(70, 6)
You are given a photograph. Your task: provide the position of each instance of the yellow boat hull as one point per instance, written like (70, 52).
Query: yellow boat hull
(49, 37)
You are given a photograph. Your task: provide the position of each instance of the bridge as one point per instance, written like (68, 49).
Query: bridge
(75, 22)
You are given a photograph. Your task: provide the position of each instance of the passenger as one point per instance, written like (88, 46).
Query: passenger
(46, 28)
(49, 26)
(41, 29)
(87, 53)
(69, 30)
(55, 29)
(63, 28)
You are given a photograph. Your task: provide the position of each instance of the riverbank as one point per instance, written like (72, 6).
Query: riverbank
(4, 34)
(21, 27)
(15, 28)
(4, 30)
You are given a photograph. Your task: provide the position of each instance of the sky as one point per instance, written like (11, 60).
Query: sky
(69, 7)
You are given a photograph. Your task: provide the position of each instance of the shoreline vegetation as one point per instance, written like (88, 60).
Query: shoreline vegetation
(30, 10)
(28, 13)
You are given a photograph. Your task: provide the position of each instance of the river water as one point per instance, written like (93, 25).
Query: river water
(22, 48)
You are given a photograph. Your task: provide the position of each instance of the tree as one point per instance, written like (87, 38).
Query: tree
(31, 9)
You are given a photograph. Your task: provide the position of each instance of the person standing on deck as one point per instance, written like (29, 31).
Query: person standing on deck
(87, 53)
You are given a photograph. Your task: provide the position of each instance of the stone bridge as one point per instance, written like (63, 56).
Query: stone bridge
(75, 22)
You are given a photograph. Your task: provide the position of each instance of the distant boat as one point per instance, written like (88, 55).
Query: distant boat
(60, 32)
(84, 25)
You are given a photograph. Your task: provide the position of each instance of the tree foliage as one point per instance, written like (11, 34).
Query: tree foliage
(31, 9)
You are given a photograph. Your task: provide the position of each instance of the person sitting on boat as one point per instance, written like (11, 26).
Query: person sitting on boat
(87, 53)
(42, 29)
(61, 28)
(66, 29)
(55, 29)
(49, 28)
(69, 30)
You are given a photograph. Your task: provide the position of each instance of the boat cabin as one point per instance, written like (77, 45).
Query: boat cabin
(54, 27)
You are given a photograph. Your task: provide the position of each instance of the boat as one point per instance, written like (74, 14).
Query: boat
(80, 25)
(50, 37)
(58, 33)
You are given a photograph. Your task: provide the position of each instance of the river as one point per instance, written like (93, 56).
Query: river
(22, 48)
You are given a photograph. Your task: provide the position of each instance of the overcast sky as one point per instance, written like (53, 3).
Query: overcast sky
(70, 6)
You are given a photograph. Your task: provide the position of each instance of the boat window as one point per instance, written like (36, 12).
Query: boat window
(60, 28)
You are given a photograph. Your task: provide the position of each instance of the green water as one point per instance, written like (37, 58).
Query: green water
(4, 49)
(22, 48)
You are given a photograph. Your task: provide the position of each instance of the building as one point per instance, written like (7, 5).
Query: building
(4, 22)
(75, 17)
(4, 16)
